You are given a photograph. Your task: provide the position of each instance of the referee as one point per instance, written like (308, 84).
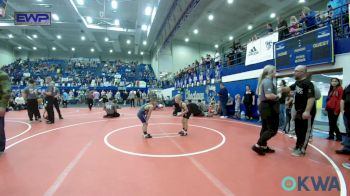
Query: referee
(269, 110)
(49, 95)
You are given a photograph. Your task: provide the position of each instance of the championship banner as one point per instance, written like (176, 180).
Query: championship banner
(312, 48)
(261, 50)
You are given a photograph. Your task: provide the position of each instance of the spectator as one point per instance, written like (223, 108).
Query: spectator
(20, 102)
(269, 28)
(238, 106)
(309, 18)
(202, 106)
(345, 110)
(294, 26)
(249, 102)
(223, 96)
(282, 28)
(335, 95)
(282, 101)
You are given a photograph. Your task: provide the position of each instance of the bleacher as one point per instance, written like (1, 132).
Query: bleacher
(79, 72)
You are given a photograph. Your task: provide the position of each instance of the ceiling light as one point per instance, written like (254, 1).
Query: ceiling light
(34, 48)
(92, 50)
(114, 4)
(141, 53)
(187, 39)
(19, 48)
(250, 27)
(106, 39)
(89, 19)
(144, 43)
(144, 27)
(301, 1)
(73, 49)
(110, 51)
(272, 15)
(83, 38)
(59, 37)
(53, 48)
(128, 41)
(129, 52)
(10, 36)
(229, 1)
(39, 0)
(230, 38)
(55, 17)
(195, 31)
(148, 11)
(35, 36)
(211, 17)
(116, 22)
(216, 46)
(80, 2)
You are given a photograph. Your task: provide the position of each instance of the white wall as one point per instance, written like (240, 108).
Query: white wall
(6, 54)
(180, 54)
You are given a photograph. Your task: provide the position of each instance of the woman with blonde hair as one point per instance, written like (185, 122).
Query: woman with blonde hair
(268, 108)
(294, 26)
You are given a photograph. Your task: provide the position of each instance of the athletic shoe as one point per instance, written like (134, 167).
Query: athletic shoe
(183, 133)
(298, 153)
(147, 136)
(342, 152)
(49, 122)
(222, 116)
(291, 135)
(339, 139)
(267, 149)
(346, 165)
(310, 139)
(61, 117)
(258, 150)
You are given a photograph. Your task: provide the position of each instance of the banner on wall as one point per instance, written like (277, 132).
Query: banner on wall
(261, 50)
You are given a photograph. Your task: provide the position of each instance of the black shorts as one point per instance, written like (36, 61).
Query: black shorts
(187, 115)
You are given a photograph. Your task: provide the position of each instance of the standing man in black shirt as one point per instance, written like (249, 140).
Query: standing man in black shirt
(56, 102)
(31, 95)
(50, 93)
(304, 94)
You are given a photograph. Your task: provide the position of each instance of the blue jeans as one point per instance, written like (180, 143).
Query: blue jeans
(2, 134)
(223, 107)
(282, 116)
(346, 138)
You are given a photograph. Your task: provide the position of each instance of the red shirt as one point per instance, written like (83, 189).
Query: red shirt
(334, 99)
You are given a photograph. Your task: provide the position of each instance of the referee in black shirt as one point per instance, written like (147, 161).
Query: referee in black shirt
(268, 108)
(50, 92)
(304, 99)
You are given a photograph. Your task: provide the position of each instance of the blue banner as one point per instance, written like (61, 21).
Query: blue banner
(312, 48)
(33, 18)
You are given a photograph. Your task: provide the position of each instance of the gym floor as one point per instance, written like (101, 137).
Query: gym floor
(85, 154)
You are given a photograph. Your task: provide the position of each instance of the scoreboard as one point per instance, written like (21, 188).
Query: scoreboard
(312, 48)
